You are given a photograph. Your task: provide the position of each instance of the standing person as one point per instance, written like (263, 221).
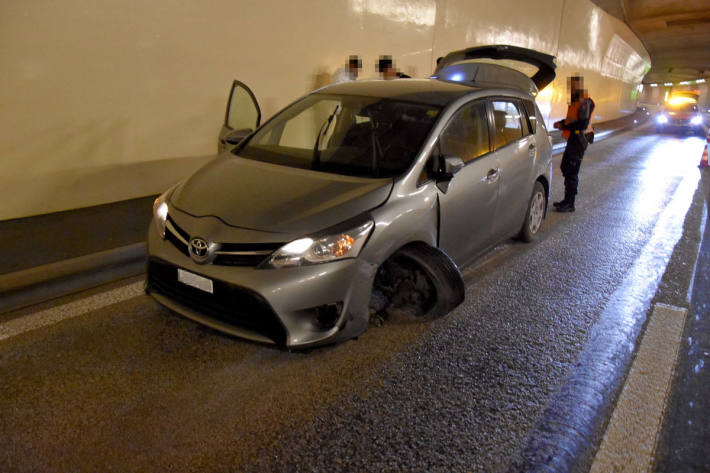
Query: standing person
(574, 128)
(385, 67)
(350, 71)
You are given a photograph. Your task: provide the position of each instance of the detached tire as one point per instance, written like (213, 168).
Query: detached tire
(422, 281)
(535, 213)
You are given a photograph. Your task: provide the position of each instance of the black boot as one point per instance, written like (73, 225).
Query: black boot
(562, 202)
(567, 206)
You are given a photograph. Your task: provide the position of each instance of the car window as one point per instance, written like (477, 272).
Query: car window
(466, 134)
(532, 117)
(524, 119)
(430, 168)
(506, 121)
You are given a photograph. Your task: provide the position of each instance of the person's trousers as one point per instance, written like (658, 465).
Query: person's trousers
(571, 162)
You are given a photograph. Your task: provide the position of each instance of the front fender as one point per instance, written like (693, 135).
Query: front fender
(404, 219)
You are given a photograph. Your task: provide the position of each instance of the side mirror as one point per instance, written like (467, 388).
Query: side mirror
(235, 137)
(451, 165)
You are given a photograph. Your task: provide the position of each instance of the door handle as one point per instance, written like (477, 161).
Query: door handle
(493, 176)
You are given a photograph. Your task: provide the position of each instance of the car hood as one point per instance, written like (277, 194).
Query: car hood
(260, 196)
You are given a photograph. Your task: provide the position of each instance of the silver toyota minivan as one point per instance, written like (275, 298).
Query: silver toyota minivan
(358, 198)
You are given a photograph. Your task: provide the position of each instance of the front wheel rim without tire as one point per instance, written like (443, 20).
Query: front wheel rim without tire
(537, 211)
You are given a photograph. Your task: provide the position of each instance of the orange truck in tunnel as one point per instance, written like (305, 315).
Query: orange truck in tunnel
(681, 113)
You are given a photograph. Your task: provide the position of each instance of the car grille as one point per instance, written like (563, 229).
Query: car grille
(227, 254)
(244, 254)
(177, 236)
(228, 303)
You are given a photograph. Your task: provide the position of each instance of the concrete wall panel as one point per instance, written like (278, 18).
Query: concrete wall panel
(114, 99)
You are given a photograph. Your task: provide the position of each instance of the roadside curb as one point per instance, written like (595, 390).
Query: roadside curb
(31, 286)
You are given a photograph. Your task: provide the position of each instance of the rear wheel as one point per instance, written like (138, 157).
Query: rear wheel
(535, 213)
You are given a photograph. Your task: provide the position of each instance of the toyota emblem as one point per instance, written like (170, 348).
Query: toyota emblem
(199, 250)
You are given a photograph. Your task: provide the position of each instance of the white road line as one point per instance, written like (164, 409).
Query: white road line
(67, 311)
(632, 434)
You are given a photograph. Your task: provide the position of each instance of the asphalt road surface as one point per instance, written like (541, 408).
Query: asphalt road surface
(131, 386)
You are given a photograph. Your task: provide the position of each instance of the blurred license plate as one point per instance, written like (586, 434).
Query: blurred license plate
(195, 280)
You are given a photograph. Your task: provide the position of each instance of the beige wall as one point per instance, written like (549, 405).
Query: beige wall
(112, 99)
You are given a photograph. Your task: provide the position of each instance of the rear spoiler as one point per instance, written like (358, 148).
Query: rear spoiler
(544, 62)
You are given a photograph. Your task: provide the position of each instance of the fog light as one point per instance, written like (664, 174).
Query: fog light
(696, 120)
(327, 315)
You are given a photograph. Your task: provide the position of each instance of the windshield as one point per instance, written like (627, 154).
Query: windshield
(351, 135)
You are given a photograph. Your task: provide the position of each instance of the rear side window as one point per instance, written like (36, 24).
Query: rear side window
(466, 135)
(507, 122)
(530, 108)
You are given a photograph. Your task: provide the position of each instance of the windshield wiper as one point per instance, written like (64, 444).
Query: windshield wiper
(323, 130)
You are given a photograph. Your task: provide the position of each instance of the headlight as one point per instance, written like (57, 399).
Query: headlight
(335, 245)
(160, 212)
(696, 120)
(662, 119)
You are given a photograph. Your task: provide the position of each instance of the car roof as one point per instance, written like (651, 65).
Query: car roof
(426, 91)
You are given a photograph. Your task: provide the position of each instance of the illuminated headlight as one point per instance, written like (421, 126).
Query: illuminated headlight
(696, 120)
(160, 213)
(662, 119)
(321, 249)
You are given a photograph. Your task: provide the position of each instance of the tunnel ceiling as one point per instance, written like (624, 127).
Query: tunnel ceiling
(676, 34)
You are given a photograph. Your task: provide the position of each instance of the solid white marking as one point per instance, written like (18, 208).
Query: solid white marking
(630, 440)
(67, 311)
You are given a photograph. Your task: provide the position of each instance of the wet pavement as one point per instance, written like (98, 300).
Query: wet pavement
(134, 387)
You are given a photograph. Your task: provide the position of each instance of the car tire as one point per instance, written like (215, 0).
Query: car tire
(421, 282)
(535, 214)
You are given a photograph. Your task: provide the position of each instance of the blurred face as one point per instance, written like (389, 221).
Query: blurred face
(575, 87)
(354, 67)
(389, 73)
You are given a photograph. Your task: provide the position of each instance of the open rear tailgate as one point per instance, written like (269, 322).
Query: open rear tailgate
(544, 62)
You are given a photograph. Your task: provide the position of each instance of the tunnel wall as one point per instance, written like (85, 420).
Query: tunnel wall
(110, 100)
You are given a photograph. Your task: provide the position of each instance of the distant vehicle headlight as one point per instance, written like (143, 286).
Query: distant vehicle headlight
(662, 118)
(321, 249)
(696, 120)
(160, 212)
